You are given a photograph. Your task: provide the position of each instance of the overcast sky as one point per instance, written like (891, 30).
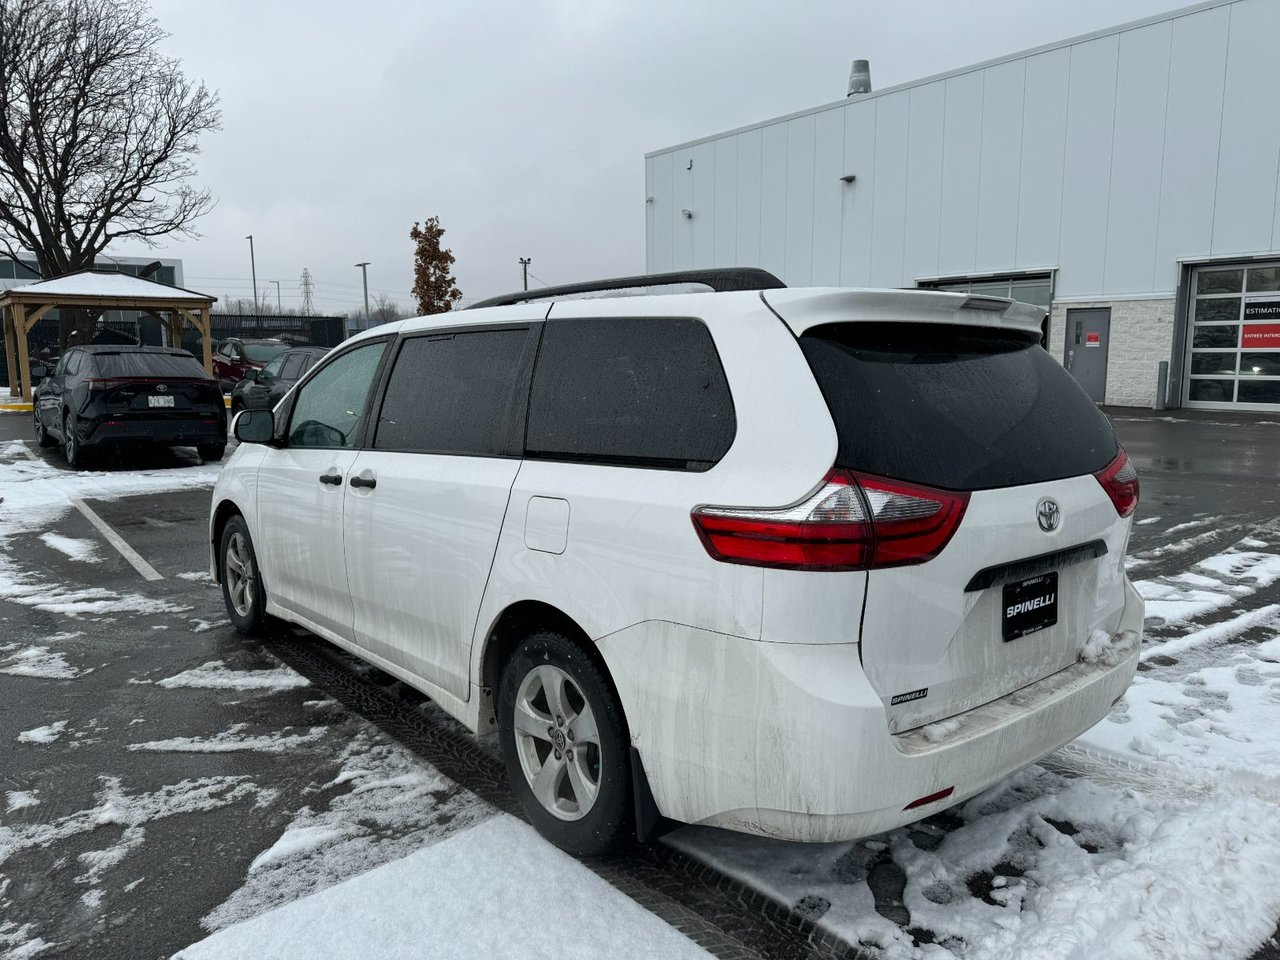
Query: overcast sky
(522, 125)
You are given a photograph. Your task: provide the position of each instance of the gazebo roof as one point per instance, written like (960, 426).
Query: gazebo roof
(105, 285)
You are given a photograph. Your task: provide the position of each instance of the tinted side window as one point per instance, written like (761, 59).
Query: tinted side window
(292, 367)
(637, 391)
(74, 363)
(954, 407)
(330, 407)
(458, 393)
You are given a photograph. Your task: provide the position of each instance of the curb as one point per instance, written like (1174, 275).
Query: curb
(19, 406)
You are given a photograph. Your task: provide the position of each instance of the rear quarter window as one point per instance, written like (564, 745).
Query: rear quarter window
(961, 408)
(632, 391)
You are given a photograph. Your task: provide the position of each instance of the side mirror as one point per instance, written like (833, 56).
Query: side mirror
(252, 373)
(254, 426)
(39, 372)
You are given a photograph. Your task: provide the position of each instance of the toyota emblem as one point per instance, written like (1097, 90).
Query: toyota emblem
(1049, 514)
(161, 388)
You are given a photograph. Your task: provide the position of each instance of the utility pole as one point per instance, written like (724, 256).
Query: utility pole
(364, 269)
(524, 265)
(253, 266)
(279, 307)
(308, 308)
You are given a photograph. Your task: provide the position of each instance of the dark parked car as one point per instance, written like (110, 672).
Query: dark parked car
(236, 356)
(262, 390)
(109, 395)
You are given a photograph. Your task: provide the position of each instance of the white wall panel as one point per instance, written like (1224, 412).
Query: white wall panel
(682, 229)
(663, 212)
(889, 194)
(1087, 171)
(750, 154)
(726, 200)
(1190, 173)
(855, 211)
(798, 262)
(773, 200)
(1142, 84)
(961, 171)
(997, 235)
(1245, 210)
(703, 176)
(1044, 138)
(828, 168)
(924, 182)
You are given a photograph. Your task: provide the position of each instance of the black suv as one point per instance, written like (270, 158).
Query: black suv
(263, 389)
(108, 394)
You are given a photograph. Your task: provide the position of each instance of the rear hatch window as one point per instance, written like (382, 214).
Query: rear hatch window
(962, 408)
(137, 364)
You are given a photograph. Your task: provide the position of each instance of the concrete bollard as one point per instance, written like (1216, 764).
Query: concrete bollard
(1162, 384)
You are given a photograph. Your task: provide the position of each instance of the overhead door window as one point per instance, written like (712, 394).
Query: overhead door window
(458, 393)
(1234, 351)
(633, 391)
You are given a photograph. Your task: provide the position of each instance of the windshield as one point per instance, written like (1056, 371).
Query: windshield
(262, 352)
(961, 408)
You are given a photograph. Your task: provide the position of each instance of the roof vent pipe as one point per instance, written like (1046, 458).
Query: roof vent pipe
(859, 78)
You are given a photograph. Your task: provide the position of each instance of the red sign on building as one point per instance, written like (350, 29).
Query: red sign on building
(1260, 336)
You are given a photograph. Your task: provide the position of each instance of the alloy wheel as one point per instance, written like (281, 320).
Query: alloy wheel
(239, 572)
(557, 742)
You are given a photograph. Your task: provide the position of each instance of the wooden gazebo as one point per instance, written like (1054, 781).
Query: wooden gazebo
(23, 307)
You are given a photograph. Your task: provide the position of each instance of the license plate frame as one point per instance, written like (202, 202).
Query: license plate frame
(159, 401)
(1029, 606)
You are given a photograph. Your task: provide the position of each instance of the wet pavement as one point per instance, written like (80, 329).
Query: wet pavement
(152, 757)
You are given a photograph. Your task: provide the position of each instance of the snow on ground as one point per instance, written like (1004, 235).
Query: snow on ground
(494, 890)
(20, 799)
(216, 675)
(46, 734)
(231, 741)
(197, 576)
(390, 805)
(1040, 866)
(38, 662)
(85, 551)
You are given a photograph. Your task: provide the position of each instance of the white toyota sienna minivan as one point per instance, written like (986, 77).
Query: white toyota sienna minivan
(806, 563)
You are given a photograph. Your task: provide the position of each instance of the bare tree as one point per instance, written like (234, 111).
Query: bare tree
(385, 310)
(98, 131)
(433, 284)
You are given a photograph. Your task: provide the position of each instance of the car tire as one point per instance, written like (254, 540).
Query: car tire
(242, 591)
(72, 448)
(211, 452)
(43, 438)
(575, 788)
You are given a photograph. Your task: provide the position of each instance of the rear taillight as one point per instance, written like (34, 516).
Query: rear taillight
(105, 383)
(851, 522)
(1120, 480)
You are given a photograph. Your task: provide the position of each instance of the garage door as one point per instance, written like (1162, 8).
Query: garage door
(1233, 358)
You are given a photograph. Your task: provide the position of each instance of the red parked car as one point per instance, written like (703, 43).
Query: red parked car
(237, 355)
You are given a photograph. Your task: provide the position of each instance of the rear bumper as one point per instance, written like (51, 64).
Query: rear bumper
(172, 431)
(791, 741)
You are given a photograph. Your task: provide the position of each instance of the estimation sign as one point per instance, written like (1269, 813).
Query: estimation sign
(1262, 310)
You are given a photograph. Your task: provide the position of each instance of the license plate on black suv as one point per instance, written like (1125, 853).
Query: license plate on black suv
(1029, 605)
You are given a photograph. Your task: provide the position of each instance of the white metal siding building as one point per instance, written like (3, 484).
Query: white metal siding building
(1127, 178)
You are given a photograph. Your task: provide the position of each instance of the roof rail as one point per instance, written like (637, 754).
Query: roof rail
(721, 280)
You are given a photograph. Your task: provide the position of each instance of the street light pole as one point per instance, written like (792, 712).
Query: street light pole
(364, 269)
(524, 265)
(279, 307)
(253, 266)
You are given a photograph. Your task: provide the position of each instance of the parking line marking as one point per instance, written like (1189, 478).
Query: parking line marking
(147, 571)
(135, 559)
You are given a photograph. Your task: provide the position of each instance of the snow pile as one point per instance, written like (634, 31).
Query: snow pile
(1108, 650)
(1041, 866)
(216, 675)
(85, 551)
(39, 662)
(20, 800)
(393, 806)
(197, 576)
(231, 741)
(46, 734)
(496, 890)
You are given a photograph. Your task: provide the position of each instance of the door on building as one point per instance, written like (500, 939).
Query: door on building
(1088, 336)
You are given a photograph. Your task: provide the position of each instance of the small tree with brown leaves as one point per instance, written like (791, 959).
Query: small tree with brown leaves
(434, 287)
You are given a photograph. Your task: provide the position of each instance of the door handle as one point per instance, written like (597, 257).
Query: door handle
(369, 482)
(333, 479)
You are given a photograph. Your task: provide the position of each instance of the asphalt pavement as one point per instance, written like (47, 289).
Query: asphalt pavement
(117, 862)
